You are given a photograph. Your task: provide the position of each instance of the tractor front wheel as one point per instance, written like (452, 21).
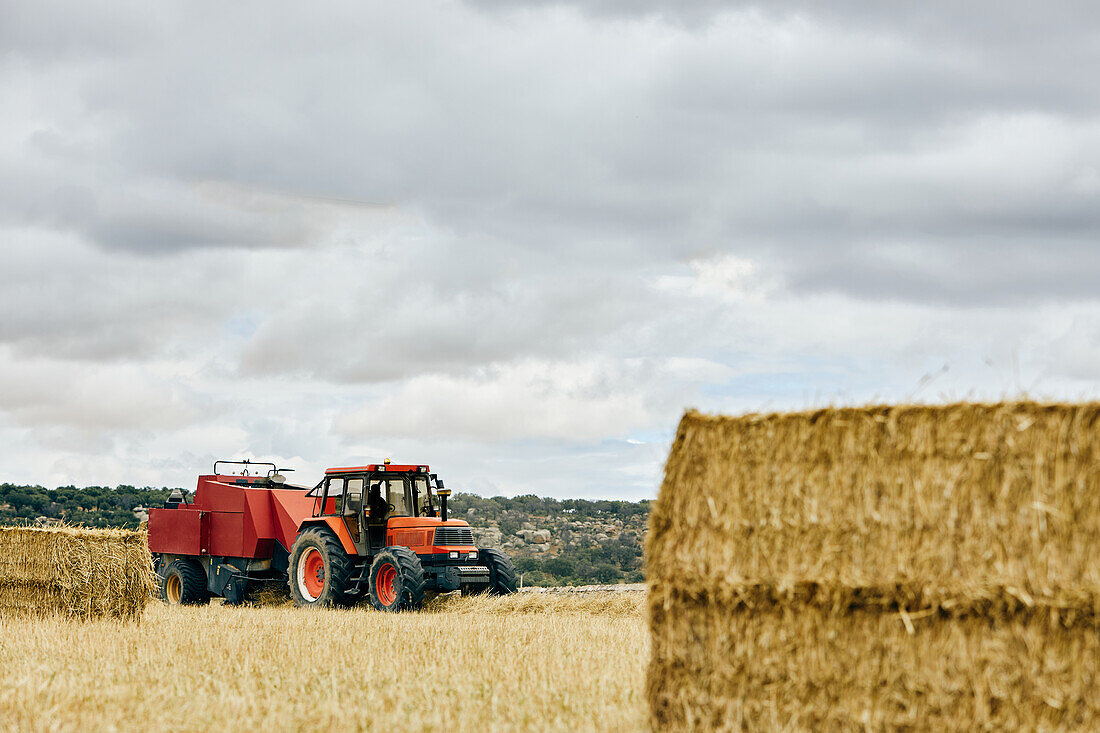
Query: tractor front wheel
(502, 573)
(318, 570)
(396, 580)
(183, 583)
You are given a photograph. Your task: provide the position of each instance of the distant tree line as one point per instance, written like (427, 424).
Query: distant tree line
(584, 566)
(542, 506)
(91, 506)
(582, 560)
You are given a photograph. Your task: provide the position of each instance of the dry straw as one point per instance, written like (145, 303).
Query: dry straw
(78, 572)
(881, 566)
(608, 604)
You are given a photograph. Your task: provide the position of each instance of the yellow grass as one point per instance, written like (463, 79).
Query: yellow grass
(519, 663)
(613, 605)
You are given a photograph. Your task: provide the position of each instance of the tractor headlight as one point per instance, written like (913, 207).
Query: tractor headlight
(453, 554)
(473, 555)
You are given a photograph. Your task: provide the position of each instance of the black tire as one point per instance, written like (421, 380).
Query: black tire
(396, 580)
(328, 575)
(183, 583)
(502, 573)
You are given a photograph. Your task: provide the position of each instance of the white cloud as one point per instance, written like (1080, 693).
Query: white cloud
(573, 402)
(42, 393)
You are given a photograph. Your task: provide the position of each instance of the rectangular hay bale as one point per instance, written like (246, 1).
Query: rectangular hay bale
(78, 572)
(840, 538)
(810, 668)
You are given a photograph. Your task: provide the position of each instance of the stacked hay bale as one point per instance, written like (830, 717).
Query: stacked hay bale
(77, 572)
(936, 567)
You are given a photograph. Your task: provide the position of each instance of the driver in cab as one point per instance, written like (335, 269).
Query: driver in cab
(376, 504)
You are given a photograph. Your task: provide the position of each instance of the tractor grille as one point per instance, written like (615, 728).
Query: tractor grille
(454, 536)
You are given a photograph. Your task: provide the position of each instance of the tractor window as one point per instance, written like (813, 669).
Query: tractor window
(395, 496)
(334, 496)
(423, 498)
(355, 496)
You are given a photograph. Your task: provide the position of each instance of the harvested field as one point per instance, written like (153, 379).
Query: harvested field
(574, 589)
(612, 604)
(598, 600)
(76, 572)
(471, 664)
(889, 566)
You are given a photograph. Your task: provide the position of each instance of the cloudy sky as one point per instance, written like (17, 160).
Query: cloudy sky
(516, 239)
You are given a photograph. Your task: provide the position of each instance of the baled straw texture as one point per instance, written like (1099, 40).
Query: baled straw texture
(78, 572)
(812, 531)
(805, 668)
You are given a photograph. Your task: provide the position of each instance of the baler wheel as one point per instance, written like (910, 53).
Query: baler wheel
(319, 569)
(396, 580)
(184, 584)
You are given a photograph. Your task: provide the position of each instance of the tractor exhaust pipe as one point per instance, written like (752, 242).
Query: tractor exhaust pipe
(442, 493)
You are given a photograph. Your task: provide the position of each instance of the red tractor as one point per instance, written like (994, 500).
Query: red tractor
(378, 531)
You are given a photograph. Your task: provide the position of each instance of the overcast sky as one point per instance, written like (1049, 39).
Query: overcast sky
(515, 240)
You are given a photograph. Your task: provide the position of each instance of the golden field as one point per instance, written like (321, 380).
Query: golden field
(525, 662)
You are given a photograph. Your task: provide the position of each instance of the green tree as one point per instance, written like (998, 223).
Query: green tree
(559, 566)
(605, 573)
(527, 564)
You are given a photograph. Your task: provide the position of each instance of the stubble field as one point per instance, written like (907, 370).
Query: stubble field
(526, 662)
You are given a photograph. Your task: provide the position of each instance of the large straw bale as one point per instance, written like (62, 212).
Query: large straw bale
(847, 524)
(77, 572)
(808, 668)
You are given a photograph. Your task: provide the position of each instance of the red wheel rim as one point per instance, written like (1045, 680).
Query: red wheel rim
(311, 574)
(383, 584)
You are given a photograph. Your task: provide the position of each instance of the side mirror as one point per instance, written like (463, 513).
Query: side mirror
(439, 484)
(355, 503)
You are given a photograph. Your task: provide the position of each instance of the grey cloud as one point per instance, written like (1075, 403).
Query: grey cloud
(792, 133)
(66, 300)
(52, 32)
(42, 393)
(158, 217)
(1001, 274)
(987, 22)
(458, 313)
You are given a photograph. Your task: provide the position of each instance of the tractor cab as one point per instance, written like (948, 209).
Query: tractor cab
(382, 530)
(369, 499)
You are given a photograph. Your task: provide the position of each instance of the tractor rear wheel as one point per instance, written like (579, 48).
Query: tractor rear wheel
(502, 573)
(183, 584)
(396, 580)
(318, 570)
